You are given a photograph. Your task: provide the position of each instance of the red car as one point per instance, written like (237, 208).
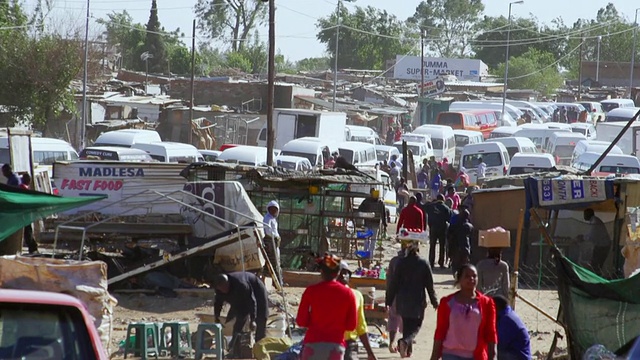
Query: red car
(46, 325)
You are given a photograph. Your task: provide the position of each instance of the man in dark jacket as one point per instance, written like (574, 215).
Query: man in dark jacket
(460, 238)
(438, 217)
(513, 337)
(248, 298)
(407, 288)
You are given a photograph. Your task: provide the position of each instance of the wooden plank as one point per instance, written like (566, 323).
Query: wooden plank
(305, 278)
(136, 228)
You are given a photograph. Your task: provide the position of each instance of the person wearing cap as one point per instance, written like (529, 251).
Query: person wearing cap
(328, 310)
(361, 330)
(248, 300)
(373, 204)
(407, 289)
(272, 237)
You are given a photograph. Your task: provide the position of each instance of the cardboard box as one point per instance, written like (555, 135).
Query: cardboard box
(494, 238)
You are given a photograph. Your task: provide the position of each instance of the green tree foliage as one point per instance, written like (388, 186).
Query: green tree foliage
(235, 19)
(451, 23)
(368, 37)
(535, 70)
(155, 42)
(32, 86)
(313, 64)
(127, 36)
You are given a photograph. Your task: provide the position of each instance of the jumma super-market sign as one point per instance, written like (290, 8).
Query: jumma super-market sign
(408, 68)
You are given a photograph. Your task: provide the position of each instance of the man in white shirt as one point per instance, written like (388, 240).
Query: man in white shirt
(272, 237)
(481, 172)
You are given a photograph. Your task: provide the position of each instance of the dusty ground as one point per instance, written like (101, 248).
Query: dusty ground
(140, 307)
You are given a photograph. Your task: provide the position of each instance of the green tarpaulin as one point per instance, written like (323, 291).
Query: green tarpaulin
(19, 208)
(596, 310)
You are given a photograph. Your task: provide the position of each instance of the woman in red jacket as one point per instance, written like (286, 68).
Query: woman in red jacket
(466, 328)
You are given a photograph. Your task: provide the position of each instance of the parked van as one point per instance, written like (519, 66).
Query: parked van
(561, 146)
(210, 155)
(494, 155)
(595, 146)
(245, 155)
(513, 111)
(361, 134)
(114, 153)
(595, 110)
(46, 151)
(474, 120)
(293, 163)
(530, 163)
(358, 153)
(503, 131)
(610, 104)
(127, 137)
(464, 138)
(420, 138)
(516, 145)
(586, 129)
(385, 152)
(315, 150)
(443, 140)
(621, 114)
(612, 164)
(540, 136)
(170, 151)
(419, 151)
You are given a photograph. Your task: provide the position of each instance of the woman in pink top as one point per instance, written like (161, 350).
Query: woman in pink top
(466, 326)
(455, 198)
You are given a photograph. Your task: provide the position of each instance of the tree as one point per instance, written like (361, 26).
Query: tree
(126, 36)
(155, 42)
(451, 22)
(313, 64)
(233, 18)
(368, 37)
(535, 70)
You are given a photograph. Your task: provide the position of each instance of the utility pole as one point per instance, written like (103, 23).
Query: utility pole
(271, 80)
(85, 79)
(193, 80)
(422, 36)
(633, 53)
(335, 58)
(580, 72)
(506, 59)
(598, 60)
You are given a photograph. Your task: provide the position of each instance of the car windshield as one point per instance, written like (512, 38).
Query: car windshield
(461, 140)
(312, 158)
(347, 154)
(471, 161)
(382, 155)
(288, 165)
(36, 331)
(582, 131)
(564, 151)
(414, 149)
(437, 143)
(609, 106)
(451, 119)
(619, 169)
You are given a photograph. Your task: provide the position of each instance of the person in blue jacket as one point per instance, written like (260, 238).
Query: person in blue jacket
(513, 336)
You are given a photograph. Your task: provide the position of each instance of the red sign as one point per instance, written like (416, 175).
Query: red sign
(85, 185)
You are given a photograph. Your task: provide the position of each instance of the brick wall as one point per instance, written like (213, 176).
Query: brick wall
(218, 93)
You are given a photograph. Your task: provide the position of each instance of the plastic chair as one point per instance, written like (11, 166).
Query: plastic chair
(218, 343)
(140, 347)
(175, 349)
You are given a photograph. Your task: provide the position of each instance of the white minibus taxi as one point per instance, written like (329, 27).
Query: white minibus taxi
(443, 140)
(516, 145)
(530, 163)
(493, 154)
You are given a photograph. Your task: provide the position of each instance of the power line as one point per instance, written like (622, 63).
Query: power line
(548, 66)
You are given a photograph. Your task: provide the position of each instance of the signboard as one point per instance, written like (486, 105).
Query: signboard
(558, 192)
(431, 87)
(408, 68)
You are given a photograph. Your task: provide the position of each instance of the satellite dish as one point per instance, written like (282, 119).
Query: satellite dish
(146, 56)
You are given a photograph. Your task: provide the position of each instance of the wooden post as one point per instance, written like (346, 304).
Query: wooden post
(516, 262)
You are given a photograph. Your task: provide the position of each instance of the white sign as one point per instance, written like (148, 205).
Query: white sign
(408, 68)
(431, 87)
(557, 192)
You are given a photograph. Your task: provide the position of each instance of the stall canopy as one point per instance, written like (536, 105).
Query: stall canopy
(19, 208)
(612, 307)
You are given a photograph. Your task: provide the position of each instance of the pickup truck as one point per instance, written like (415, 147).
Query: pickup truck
(46, 325)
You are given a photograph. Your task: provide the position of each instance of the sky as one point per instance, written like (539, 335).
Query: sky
(296, 19)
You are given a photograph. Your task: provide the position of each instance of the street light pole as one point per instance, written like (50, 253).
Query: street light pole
(598, 60)
(633, 52)
(85, 79)
(422, 36)
(271, 82)
(506, 60)
(335, 57)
